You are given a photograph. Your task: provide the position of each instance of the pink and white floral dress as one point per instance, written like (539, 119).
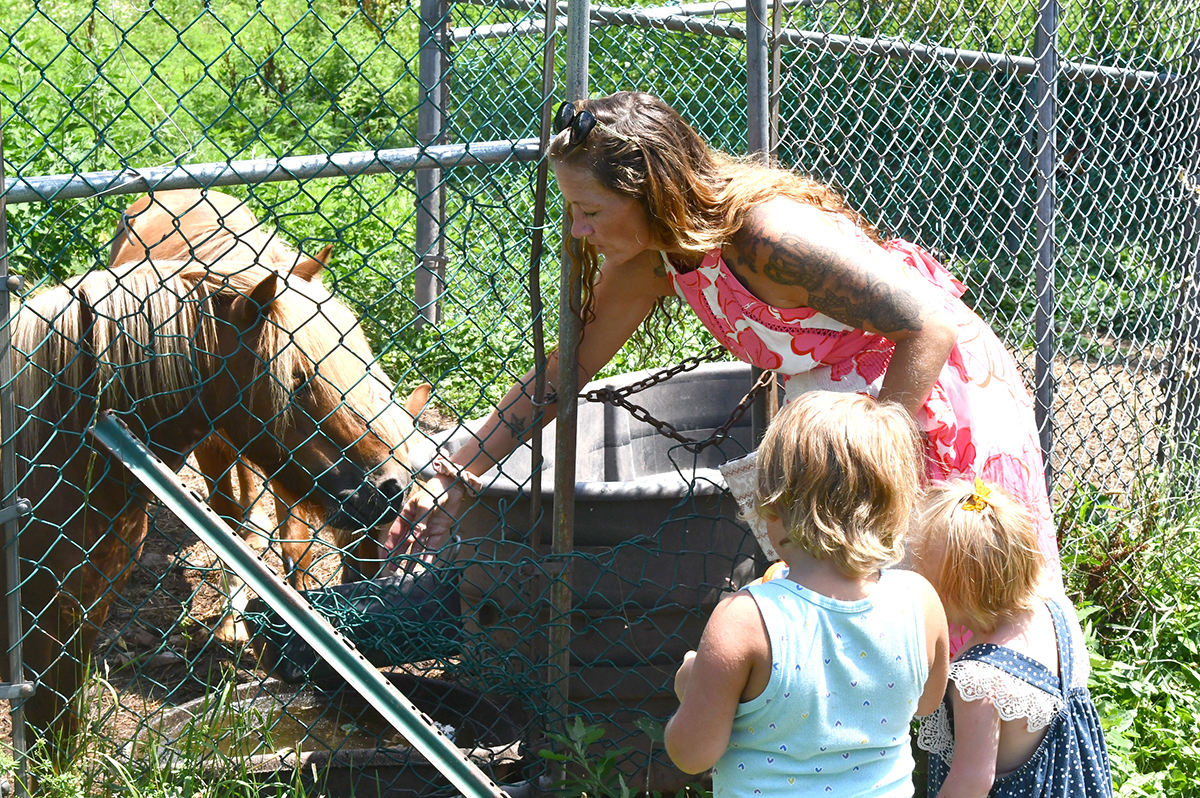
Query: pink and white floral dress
(978, 420)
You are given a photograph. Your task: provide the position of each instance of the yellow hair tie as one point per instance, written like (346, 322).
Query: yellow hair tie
(978, 500)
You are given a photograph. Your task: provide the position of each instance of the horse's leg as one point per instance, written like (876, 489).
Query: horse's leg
(50, 653)
(254, 500)
(66, 596)
(298, 525)
(218, 462)
(215, 459)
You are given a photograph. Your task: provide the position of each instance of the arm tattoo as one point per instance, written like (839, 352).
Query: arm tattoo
(517, 425)
(839, 285)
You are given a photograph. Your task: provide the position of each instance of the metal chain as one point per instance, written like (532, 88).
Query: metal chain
(617, 398)
(687, 364)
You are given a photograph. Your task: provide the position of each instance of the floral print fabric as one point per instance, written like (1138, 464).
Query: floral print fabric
(978, 420)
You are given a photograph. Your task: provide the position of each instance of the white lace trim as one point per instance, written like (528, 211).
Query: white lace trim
(741, 476)
(1012, 697)
(934, 734)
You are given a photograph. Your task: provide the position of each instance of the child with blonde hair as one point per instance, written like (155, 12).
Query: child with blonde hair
(807, 684)
(1017, 720)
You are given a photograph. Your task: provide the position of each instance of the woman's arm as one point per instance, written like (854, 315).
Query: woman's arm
(624, 295)
(795, 255)
(733, 646)
(976, 742)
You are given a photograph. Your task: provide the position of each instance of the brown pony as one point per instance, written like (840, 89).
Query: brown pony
(208, 227)
(178, 349)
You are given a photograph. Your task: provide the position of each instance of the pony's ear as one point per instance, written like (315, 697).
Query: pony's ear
(418, 399)
(248, 310)
(122, 240)
(310, 268)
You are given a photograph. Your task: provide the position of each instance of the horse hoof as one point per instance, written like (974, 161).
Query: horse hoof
(257, 532)
(232, 632)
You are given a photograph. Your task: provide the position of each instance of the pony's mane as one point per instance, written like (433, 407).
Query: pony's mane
(142, 333)
(308, 331)
(107, 335)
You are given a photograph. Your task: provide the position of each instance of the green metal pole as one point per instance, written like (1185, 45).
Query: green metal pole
(393, 705)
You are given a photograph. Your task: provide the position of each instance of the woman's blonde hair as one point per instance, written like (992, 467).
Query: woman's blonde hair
(842, 473)
(978, 547)
(695, 198)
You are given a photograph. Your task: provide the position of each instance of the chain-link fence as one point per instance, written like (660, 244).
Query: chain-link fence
(1057, 182)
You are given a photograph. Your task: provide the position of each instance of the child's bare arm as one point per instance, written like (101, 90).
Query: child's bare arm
(976, 743)
(937, 645)
(733, 640)
(683, 674)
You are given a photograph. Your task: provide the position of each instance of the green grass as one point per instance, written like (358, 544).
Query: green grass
(193, 763)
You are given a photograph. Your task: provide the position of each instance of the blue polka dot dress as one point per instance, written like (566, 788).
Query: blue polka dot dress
(1072, 759)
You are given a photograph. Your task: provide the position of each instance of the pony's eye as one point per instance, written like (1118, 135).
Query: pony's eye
(300, 379)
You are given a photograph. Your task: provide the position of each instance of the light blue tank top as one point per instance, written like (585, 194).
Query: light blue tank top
(846, 677)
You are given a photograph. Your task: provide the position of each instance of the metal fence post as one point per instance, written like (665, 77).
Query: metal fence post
(758, 142)
(10, 506)
(431, 267)
(1180, 408)
(1046, 51)
(569, 330)
(776, 73)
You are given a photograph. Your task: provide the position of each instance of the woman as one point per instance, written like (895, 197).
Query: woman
(785, 276)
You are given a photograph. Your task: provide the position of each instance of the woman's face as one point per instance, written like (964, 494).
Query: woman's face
(614, 224)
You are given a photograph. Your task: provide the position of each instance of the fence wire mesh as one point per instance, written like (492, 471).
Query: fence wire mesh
(923, 114)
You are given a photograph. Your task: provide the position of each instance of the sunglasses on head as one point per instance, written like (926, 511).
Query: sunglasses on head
(581, 124)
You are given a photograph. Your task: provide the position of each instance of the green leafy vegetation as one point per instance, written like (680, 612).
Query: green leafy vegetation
(1136, 581)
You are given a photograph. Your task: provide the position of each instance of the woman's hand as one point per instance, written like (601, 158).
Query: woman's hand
(431, 511)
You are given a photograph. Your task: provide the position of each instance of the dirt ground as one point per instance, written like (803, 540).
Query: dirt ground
(1107, 420)
(157, 647)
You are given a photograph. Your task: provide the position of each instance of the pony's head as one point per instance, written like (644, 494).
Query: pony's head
(292, 323)
(301, 396)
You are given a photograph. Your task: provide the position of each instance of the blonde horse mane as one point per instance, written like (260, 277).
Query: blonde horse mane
(144, 333)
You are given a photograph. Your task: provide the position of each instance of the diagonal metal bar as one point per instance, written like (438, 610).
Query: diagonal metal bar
(393, 705)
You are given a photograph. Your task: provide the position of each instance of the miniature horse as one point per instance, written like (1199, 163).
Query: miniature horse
(178, 349)
(207, 227)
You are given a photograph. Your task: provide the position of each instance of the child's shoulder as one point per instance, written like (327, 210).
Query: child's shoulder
(901, 579)
(1031, 634)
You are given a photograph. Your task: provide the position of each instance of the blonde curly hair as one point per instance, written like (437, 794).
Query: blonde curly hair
(842, 473)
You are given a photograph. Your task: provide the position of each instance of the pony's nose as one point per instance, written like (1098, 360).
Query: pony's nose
(363, 508)
(393, 492)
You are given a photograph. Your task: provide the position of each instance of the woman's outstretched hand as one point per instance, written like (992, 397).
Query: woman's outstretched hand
(430, 512)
